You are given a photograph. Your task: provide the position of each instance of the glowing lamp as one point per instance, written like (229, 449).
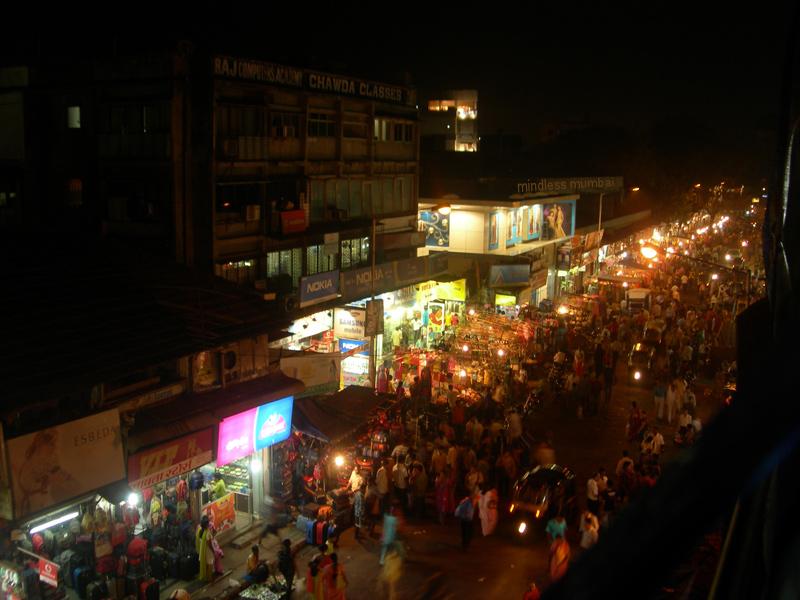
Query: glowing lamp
(522, 527)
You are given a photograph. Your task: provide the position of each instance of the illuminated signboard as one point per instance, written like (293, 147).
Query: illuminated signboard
(257, 428)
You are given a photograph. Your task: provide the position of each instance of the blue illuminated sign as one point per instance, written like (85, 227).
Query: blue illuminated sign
(273, 422)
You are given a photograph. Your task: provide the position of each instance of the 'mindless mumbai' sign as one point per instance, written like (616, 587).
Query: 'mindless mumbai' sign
(575, 185)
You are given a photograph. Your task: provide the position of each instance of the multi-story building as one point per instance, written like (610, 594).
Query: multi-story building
(449, 120)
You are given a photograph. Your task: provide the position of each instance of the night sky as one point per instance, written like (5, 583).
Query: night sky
(619, 63)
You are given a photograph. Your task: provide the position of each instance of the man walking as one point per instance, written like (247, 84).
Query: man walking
(465, 511)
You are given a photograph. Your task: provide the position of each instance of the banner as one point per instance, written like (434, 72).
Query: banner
(57, 464)
(533, 222)
(357, 285)
(410, 270)
(293, 221)
(438, 262)
(435, 317)
(319, 372)
(221, 513)
(319, 287)
(170, 459)
(437, 228)
(494, 224)
(48, 572)
(373, 318)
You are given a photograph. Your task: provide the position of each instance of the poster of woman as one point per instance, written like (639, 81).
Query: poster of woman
(509, 231)
(536, 220)
(493, 230)
(558, 219)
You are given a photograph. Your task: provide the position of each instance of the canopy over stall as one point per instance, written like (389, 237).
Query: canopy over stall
(330, 418)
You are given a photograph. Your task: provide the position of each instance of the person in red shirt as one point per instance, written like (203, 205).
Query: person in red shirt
(532, 593)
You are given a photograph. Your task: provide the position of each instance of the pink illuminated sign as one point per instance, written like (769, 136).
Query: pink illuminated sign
(236, 437)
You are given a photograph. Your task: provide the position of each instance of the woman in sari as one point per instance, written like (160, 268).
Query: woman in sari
(559, 558)
(314, 585)
(215, 549)
(204, 551)
(443, 491)
(335, 579)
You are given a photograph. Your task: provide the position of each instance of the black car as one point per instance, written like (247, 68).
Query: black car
(541, 494)
(641, 362)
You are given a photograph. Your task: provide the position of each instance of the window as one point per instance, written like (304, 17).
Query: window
(354, 128)
(284, 125)
(356, 253)
(284, 269)
(234, 199)
(321, 125)
(243, 271)
(319, 262)
(245, 121)
(387, 130)
(130, 119)
(74, 117)
(74, 193)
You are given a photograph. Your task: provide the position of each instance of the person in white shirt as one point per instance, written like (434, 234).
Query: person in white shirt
(593, 494)
(622, 462)
(400, 477)
(658, 444)
(356, 479)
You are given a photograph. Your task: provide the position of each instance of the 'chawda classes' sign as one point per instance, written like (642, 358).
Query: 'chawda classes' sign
(253, 70)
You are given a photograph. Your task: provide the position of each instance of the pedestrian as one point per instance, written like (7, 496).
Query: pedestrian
(392, 524)
(335, 579)
(287, 565)
(487, 508)
(588, 527)
(391, 573)
(593, 494)
(672, 399)
(443, 486)
(358, 510)
(659, 398)
(465, 512)
(559, 558)
(634, 416)
(314, 584)
(532, 593)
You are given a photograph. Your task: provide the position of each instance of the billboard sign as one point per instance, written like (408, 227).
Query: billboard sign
(319, 287)
(57, 464)
(254, 429)
(319, 372)
(170, 459)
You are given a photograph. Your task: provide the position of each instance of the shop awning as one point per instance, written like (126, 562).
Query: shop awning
(116, 492)
(631, 264)
(330, 418)
(169, 421)
(618, 279)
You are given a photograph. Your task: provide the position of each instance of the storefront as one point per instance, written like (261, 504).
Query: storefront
(59, 479)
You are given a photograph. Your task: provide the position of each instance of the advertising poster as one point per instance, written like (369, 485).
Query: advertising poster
(221, 513)
(509, 227)
(437, 228)
(533, 222)
(435, 317)
(170, 459)
(558, 220)
(319, 373)
(349, 323)
(57, 464)
(254, 429)
(357, 284)
(494, 220)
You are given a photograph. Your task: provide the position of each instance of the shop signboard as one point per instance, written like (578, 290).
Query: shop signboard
(57, 464)
(357, 284)
(319, 287)
(331, 243)
(293, 221)
(170, 459)
(154, 397)
(410, 270)
(319, 372)
(348, 345)
(48, 572)
(505, 275)
(349, 323)
(405, 296)
(539, 279)
(254, 429)
(434, 290)
(438, 262)
(504, 300)
(273, 422)
(221, 513)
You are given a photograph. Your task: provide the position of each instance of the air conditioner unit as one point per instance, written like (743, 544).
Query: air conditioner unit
(252, 212)
(287, 303)
(230, 148)
(229, 363)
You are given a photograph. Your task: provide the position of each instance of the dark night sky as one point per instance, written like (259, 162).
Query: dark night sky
(620, 63)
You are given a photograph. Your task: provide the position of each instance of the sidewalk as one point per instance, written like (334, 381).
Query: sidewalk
(236, 553)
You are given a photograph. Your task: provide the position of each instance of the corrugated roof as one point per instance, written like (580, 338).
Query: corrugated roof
(80, 313)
